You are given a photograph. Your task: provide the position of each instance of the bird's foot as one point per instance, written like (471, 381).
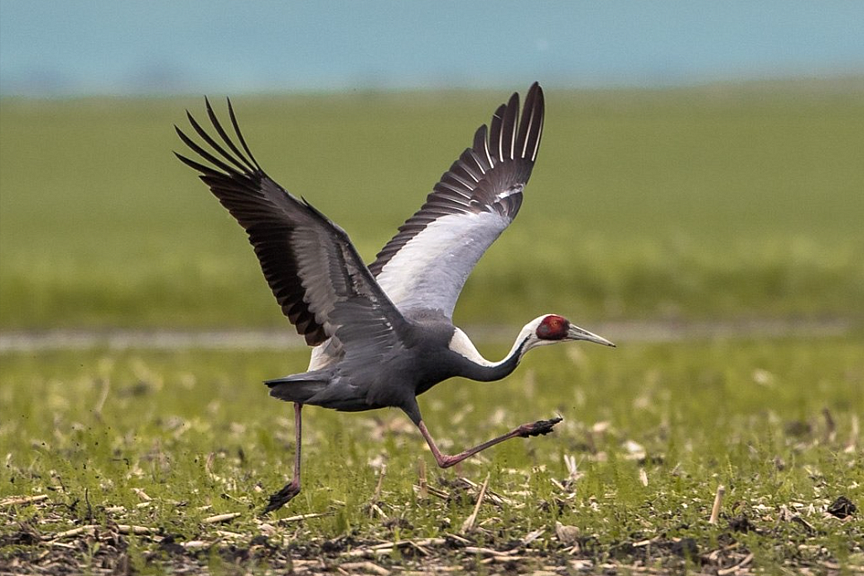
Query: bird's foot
(538, 428)
(282, 497)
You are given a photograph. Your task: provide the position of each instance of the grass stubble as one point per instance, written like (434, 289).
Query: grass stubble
(715, 204)
(162, 461)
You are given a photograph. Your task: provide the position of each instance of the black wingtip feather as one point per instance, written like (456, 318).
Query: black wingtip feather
(205, 154)
(508, 127)
(215, 145)
(495, 132)
(214, 120)
(531, 123)
(205, 170)
(240, 134)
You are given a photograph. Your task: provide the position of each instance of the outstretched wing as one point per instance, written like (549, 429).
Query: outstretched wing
(311, 265)
(427, 263)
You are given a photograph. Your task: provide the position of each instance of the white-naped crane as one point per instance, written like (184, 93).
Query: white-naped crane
(383, 334)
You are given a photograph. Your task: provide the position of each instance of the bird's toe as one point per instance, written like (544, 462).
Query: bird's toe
(540, 427)
(282, 497)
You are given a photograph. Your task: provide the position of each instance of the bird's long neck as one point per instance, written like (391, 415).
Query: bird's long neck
(477, 367)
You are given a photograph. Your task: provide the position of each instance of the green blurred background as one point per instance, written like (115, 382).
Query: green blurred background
(740, 201)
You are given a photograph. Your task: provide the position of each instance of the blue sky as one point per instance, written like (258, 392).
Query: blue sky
(167, 47)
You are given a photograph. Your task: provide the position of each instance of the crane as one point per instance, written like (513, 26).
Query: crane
(382, 334)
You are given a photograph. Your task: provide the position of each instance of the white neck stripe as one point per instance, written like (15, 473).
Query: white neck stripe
(462, 345)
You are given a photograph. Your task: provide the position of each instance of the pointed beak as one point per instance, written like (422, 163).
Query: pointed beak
(577, 333)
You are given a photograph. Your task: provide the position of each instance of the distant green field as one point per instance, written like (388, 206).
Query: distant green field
(727, 201)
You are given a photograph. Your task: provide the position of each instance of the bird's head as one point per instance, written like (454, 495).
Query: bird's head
(551, 329)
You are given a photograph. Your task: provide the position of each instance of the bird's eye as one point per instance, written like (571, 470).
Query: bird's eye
(552, 328)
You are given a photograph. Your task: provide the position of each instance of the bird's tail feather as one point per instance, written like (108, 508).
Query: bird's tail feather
(297, 387)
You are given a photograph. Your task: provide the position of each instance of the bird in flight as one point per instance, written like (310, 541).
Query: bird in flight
(382, 334)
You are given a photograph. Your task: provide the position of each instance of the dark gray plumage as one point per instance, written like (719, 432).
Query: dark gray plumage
(383, 334)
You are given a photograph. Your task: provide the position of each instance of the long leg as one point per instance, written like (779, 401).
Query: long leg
(291, 489)
(525, 430)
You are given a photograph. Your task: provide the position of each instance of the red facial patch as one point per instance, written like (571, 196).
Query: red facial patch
(553, 328)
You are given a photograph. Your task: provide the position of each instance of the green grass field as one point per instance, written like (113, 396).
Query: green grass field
(711, 205)
(775, 422)
(721, 202)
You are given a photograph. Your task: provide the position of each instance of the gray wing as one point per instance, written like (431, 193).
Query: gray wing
(427, 263)
(311, 265)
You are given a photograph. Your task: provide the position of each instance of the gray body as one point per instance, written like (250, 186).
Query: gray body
(423, 358)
